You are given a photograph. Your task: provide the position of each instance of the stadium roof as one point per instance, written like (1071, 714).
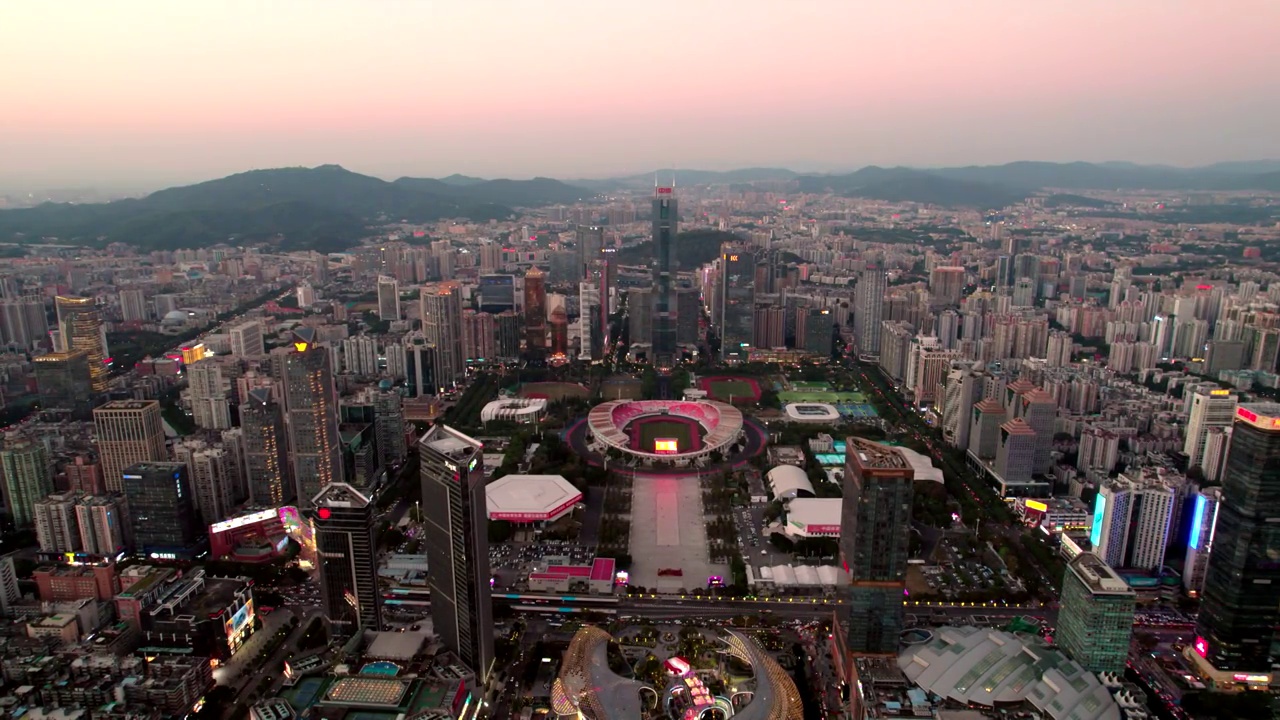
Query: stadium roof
(529, 498)
(986, 667)
(788, 480)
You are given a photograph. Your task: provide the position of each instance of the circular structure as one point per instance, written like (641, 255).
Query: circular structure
(520, 410)
(812, 412)
(679, 431)
(530, 498)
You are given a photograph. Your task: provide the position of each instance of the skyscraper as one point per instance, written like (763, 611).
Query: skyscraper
(441, 306)
(23, 322)
(127, 432)
(868, 310)
(80, 323)
(1237, 623)
(162, 510)
(207, 394)
(266, 457)
(874, 537)
(535, 309)
(640, 305)
(311, 404)
(819, 331)
(63, 380)
(590, 241)
(737, 295)
(457, 540)
(56, 528)
(24, 465)
(1095, 620)
(1209, 409)
(666, 218)
(1204, 520)
(388, 299)
(348, 557)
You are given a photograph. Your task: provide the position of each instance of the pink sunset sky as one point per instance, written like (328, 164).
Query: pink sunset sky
(144, 94)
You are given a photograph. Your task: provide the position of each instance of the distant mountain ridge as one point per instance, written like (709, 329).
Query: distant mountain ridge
(325, 208)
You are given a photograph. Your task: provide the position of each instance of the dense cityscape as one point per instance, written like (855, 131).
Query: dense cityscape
(568, 360)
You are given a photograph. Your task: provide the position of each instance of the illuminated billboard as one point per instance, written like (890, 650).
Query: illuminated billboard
(243, 520)
(236, 625)
(1099, 511)
(666, 446)
(1037, 506)
(1197, 520)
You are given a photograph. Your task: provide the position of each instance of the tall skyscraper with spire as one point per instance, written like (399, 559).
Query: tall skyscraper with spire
(666, 218)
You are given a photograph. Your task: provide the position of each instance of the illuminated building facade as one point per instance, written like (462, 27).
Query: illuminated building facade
(80, 323)
(347, 553)
(1236, 626)
(311, 403)
(265, 444)
(127, 432)
(666, 220)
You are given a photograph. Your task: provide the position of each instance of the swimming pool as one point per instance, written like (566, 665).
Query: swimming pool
(380, 667)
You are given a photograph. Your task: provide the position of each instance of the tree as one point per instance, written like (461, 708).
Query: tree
(499, 531)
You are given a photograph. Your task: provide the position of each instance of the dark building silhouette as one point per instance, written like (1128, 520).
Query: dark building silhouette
(347, 553)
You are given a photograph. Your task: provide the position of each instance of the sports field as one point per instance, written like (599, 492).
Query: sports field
(553, 391)
(684, 432)
(739, 390)
(811, 385)
(826, 396)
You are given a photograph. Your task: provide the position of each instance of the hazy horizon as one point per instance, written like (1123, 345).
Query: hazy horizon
(141, 95)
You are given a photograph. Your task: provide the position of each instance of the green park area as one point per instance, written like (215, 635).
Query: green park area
(666, 429)
(553, 391)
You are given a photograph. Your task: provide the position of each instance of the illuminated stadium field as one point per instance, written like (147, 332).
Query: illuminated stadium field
(741, 390)
(648, 431)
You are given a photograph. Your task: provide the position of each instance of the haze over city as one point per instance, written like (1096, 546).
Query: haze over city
(139, 95)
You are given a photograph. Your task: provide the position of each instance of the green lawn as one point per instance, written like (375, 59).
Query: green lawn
(656, 429)
(722, 390)
(800, 396)
(811, 385)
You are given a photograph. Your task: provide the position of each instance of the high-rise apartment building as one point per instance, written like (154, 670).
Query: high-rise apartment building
(311, 406)
(23, 322)
(80, 323)
(127, 432)
(874, 537)
(946, 285)
(212, 477)
(162, 511)
(1132, 521)
(455, 532)
(688, 316)
(103, 522)
(441, 305)
(868, 310)
(962, 389)
(207, 394)
(737, 298)
(640, 316)
(347, 552)
(1237, 624)
(819, 332)
(1209, 409)
(133, 305)
(266, 459)
(1095, 619)
(507, 327)
(388, 299)
(666, 219)
(247, 340)
(56, 528)
(24, 465)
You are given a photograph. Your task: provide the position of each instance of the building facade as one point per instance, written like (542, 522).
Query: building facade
(1095, 619)
(127, 432)
(311, 404)
(457, 540)
(347, 553)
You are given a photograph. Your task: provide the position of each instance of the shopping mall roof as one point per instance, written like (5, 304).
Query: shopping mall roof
(986, 667)
(530, 498)
(396, 645)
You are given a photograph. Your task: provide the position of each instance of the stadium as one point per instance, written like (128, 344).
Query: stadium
(682, 432)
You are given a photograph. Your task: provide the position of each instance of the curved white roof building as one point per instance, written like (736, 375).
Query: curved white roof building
(987, 667)
(607, 423)
(787, 481)
(921, 465)
(521, 410)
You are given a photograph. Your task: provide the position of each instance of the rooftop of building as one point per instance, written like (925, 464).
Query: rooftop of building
(1017, 426)
(1097, 575)
(873, 455)
(126, 405)
(213, 599)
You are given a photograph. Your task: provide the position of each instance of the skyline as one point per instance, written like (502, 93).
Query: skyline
(140, 95)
